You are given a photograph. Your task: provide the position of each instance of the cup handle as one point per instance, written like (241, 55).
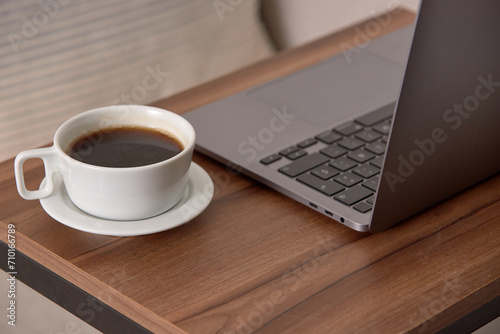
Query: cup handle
(49, 157)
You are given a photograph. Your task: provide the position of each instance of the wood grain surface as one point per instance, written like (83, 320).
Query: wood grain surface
(257, 261)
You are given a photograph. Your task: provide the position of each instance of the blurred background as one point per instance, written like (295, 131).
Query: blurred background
(61, 57)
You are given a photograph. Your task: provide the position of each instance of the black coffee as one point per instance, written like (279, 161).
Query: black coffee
(125, 147)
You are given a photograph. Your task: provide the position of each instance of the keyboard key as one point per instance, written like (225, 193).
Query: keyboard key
(333, 151)
(361, 155)
(363, 207)
(353, 195)
(351, 143)
(304, 164)
(377, 147)
(383, 128)
(306, 143)
(326, 187)
(328, 137)
(297, 154)
(348, 128)
(325, 172)
(270, 159)
(366, 170)
(378, 161)
(368, 135)
(348, 179)
(289, 150)
(372, 183)
(377, 116)
(371, 200)
(384, 139)
(343, 163)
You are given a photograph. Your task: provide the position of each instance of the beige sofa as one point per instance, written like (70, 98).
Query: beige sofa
(294, 22)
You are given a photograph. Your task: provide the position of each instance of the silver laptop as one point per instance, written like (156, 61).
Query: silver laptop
(370, 138)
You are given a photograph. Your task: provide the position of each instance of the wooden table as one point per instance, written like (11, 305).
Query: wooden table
(257, 261)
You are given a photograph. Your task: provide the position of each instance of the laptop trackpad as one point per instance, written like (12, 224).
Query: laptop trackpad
(335, 89)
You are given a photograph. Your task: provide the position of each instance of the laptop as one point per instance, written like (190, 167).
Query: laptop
(375, 137)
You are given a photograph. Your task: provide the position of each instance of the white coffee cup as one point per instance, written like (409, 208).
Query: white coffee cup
(129, 193)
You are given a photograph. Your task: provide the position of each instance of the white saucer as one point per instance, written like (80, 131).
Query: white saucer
(197, 196)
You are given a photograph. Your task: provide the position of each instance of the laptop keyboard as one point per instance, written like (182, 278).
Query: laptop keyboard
(348, 168)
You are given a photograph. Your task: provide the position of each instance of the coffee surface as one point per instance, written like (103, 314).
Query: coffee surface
(125, 147)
